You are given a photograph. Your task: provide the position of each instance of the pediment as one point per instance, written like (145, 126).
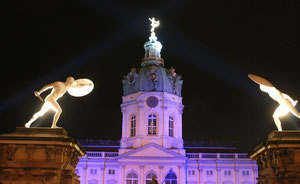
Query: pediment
(152, 150)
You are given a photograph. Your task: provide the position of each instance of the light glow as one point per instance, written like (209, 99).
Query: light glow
(81, 87)
(286, 103)
(77, 88)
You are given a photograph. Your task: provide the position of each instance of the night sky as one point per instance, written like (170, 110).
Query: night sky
(213, 45)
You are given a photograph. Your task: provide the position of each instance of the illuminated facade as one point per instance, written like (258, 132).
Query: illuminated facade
(152, 144)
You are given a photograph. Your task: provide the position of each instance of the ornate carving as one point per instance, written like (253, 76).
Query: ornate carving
(175, 81)
(49, 177)
(51, 153)
(30, 152)
(11, 151)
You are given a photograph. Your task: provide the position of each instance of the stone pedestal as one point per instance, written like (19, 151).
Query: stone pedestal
(39, 156)
(278, 158)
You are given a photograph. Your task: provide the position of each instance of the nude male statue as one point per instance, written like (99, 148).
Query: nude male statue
(58, 90)
(286, 103)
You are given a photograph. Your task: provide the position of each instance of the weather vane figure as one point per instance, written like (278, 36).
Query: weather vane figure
(154, 24)
(286, 103)
(75, 88)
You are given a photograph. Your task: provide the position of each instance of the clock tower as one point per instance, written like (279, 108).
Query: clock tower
(152, 103)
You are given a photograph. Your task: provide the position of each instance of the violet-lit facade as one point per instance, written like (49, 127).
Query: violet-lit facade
(152, 144)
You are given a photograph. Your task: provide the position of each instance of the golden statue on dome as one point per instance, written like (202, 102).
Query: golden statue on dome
(286, 103)
(154, 24)
(74, 87)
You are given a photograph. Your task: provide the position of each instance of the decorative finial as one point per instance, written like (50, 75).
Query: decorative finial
(154, 24)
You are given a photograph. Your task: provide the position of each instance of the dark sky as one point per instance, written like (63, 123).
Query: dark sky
(212, 44)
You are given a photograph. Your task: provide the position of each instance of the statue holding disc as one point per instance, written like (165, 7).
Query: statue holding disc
(286, 103)
(74, 87)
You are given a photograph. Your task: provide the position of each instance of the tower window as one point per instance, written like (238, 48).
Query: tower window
(152, 124)
(171, 126)
(133, 126)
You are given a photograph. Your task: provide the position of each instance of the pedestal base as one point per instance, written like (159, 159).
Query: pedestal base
(278, 158)
(39, 156)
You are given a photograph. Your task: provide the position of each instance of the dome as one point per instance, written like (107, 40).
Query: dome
(152, 76)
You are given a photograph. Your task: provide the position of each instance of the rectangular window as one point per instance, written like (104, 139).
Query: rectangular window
(171, 126)
(246, 173)
(209, 172)
(152, 124)
(111, 171)
(93, 171)
(191, 172)
(227, 172)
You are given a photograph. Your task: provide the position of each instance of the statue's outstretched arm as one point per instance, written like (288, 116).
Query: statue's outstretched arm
(294, 102)
(46, 87)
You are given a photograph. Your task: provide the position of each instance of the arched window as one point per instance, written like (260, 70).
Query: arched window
(149, 177)
(152, 124)
(132, 178)
(133, 126)
(171, 126)
(171, 178)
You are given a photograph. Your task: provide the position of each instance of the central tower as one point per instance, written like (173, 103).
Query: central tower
(152, 103)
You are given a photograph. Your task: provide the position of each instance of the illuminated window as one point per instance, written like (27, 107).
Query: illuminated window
(111, 171)
(93, 171)
(171, 126)
(246, 173)
(209, 172)
(149, 177)
(152, 124)
(191, 172)
(171, 178)
(227, 172)
(133, 126)
(132, 178)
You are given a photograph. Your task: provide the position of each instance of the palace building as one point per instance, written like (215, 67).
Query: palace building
(152, 143)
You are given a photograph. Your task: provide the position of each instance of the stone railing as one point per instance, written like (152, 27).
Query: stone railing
(217, 156)
(100, 154)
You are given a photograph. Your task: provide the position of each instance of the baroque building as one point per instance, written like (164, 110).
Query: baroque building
(152, 144)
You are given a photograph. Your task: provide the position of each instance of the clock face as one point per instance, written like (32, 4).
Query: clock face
(152, 101)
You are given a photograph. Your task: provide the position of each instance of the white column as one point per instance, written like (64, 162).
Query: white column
(200, 173)
(237, 175)
(180, 111)
(84, 174)
(160, 179)
(123, 109)
(122, 177)
(102, 174)
(141, 124)
(164, 126)
(219, 176)
(142, 174)
(181, 175)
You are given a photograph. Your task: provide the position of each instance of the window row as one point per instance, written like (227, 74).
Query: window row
(94, 171)
(225, 172)
(152, 125)
(132, 178)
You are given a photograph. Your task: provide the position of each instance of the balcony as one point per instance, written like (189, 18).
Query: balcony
(100, 154)
(217, 156)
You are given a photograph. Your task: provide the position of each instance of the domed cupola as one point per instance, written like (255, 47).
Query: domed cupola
(152, 76)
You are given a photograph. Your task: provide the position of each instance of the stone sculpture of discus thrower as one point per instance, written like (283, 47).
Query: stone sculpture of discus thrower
(286, 103)
(75, 88)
